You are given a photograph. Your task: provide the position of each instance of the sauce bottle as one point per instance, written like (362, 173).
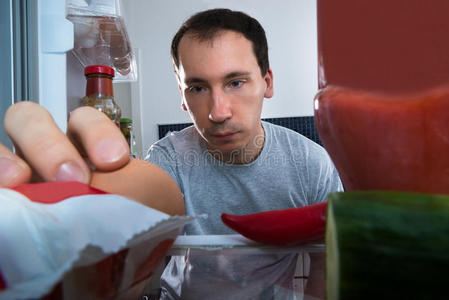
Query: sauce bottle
(100, 93)
(126, 127)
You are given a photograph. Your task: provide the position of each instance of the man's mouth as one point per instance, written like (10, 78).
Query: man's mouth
(224, 136)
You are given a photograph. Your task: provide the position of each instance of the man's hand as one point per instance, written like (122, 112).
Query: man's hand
(94, 151)
(53, 156)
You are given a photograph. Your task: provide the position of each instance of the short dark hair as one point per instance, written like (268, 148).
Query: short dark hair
(206, 24)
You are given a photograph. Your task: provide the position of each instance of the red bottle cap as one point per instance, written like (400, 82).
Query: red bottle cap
(99, 69)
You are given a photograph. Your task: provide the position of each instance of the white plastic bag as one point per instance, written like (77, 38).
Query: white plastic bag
(84, 247)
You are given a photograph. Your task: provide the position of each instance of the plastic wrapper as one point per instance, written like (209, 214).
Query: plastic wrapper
(101, 37)
(84, 247)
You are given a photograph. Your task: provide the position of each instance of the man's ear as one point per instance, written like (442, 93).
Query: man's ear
(269, 92)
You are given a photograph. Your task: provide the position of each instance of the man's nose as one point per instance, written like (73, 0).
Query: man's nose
(221, 107)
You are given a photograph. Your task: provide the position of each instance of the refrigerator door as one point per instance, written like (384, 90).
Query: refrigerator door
(55, 38)
(35, 37)
(6, 76)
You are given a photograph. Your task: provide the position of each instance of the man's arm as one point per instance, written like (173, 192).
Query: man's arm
(44, 153)
(144, 182)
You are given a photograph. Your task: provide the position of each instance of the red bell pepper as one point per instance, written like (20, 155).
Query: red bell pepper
(380, 141)
(286, 227)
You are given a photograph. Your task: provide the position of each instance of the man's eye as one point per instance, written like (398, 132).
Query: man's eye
(236, 83)
(195, 89)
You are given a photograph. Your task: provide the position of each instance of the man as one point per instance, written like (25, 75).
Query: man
(221, 63)
(229, 161)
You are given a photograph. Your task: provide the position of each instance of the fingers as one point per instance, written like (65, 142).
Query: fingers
(51, 154)
(42, 144)
(13, 170)
(100, 139)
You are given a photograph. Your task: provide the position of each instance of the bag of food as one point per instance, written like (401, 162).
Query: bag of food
(70, 241)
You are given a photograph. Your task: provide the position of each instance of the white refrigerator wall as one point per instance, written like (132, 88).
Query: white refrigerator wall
(55, 38)
(290, 26)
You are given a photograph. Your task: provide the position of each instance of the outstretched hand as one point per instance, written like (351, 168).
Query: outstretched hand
(45, 153)
(93, 151)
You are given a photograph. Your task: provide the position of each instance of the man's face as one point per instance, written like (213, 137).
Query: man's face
(222, 89)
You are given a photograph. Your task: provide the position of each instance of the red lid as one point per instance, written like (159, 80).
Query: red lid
(99, 69)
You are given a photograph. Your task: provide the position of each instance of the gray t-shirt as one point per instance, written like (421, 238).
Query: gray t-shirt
(291, 171)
